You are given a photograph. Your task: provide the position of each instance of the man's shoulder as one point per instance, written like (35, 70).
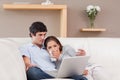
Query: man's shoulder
(26, 45)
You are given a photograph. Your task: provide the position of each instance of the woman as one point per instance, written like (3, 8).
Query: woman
(58, 52)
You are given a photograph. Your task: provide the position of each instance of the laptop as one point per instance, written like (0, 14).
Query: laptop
(70, 66)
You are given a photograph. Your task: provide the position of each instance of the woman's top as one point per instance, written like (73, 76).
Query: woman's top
(67, 51)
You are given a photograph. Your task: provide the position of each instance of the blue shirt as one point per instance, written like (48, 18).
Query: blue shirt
(38, 56)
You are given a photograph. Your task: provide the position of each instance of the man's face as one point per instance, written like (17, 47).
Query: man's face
(38, 39)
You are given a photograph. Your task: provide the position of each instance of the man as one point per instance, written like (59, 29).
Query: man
(36, 58)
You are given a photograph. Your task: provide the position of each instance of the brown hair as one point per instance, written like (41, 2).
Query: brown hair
(52, 38)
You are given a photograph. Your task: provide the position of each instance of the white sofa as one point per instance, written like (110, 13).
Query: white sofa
(103, 51)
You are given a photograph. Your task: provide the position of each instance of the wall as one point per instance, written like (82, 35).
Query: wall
(16, 23)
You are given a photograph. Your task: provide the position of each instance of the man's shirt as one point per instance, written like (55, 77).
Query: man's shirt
(38, 56)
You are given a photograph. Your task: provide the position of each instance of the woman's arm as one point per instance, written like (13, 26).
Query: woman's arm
(81, 52)
(68, 50)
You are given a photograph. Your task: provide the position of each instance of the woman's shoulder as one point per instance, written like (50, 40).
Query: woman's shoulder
(67, 49)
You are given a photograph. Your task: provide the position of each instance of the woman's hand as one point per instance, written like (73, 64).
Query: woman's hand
(56, 55)
(81, 52)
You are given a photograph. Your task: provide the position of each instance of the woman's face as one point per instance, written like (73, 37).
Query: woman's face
(54, 48)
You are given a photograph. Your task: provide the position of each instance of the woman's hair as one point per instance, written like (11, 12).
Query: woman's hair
(52, 38)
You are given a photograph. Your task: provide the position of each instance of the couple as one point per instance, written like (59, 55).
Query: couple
(36, 55)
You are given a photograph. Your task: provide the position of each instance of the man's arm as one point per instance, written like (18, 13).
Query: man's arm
(27, 62)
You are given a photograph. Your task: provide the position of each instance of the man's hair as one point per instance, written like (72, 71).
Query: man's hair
(37, 27)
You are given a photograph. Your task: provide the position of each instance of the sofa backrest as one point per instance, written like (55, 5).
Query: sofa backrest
(103, 51)
(11, 62)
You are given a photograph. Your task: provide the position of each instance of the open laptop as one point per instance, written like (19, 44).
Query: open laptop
(71, 66)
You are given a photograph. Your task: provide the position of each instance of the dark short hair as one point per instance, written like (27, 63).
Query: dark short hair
(52, 38)
(37, 27)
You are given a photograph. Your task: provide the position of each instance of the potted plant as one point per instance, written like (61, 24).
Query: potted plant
(92, 11)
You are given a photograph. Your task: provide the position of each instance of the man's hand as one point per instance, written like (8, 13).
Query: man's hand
(85, 72)
(81, 52)
(27, 62)
(29, 65)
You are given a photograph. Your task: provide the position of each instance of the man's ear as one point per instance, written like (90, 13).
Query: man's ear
(31, 34)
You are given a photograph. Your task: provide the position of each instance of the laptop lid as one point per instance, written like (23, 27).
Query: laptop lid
(72, 65)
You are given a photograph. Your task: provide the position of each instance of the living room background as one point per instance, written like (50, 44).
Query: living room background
(15, 23)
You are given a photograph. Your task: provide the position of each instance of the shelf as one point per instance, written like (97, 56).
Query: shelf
(62, 8)
(33, 7)
(93, 29)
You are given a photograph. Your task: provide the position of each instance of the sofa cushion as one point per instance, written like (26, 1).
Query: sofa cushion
(11, 62)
